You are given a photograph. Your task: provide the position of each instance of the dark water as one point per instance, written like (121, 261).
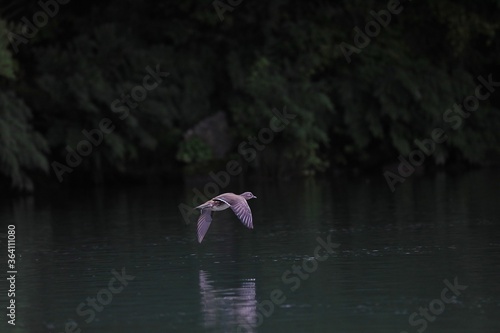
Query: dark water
(392, 254)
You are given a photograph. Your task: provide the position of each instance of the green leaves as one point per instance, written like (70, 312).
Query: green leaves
(262, 56)
(7, 65)
(194, 150)
(21, 148)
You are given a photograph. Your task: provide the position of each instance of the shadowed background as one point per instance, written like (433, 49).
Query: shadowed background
(351, 117)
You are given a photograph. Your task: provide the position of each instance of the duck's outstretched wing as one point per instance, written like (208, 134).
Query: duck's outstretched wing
(244, 213)
(204, 223)
(240, 207)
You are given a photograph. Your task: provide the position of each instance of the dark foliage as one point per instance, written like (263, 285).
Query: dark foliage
(359, 114)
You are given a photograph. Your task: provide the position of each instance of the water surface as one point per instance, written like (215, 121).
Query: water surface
(394, 253)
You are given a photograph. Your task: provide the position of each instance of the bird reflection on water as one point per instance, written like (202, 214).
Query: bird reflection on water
(227, 307)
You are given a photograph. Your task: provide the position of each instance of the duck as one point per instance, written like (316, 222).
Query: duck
(237, 202)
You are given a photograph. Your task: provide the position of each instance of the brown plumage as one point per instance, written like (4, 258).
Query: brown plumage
(238, 204)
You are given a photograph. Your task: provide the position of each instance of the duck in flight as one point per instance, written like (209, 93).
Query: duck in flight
(238, 204)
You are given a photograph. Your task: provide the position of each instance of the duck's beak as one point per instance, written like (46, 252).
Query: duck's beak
(254, 197)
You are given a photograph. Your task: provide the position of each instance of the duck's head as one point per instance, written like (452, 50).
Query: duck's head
(248, 195)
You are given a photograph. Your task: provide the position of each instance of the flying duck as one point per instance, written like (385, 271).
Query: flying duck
(238, 204)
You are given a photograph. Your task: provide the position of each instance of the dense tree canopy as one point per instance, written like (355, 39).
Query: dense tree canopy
(360, 99)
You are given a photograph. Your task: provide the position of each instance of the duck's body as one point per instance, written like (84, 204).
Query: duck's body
(238, 204)
(214, 205)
